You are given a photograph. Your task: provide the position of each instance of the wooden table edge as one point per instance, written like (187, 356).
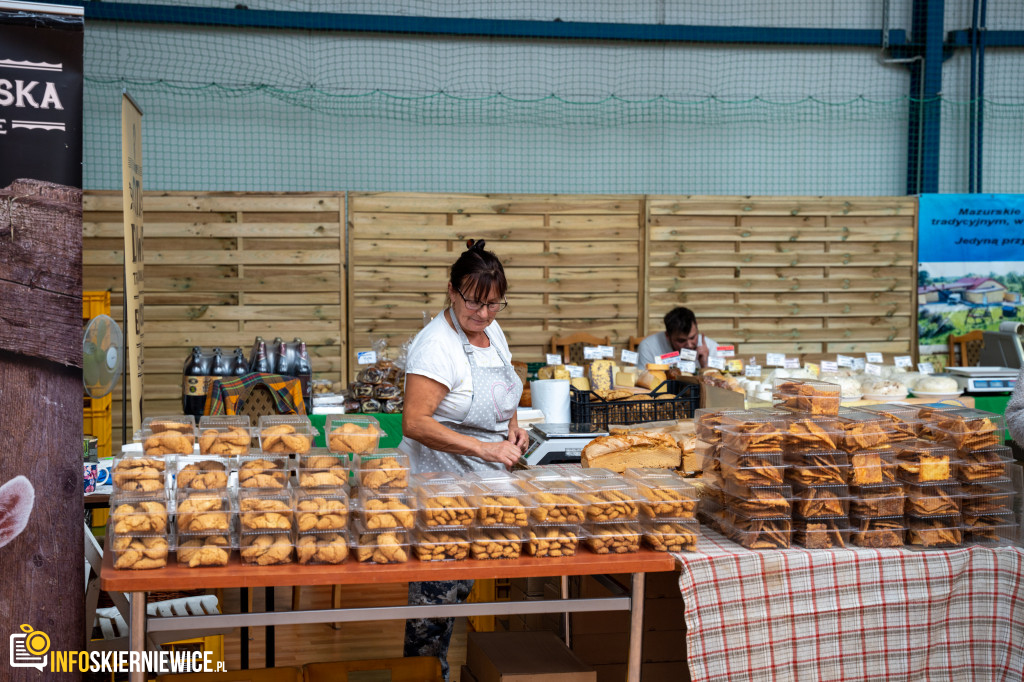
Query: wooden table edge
(174, 577)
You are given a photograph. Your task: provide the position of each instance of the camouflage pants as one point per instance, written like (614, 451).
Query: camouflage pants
(431, 636)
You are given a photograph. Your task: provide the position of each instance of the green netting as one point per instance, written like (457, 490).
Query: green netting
(274, 109)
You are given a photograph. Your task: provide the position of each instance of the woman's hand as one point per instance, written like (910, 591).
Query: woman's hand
(502, 452)
(519, 438)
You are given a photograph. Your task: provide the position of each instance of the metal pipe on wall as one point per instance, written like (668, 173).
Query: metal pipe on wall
(981, 90)
(973, 99)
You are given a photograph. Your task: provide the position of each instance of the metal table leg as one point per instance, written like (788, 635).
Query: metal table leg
(269, 657)
(636, 628)
(566, 620)
(243, 633)
(137, 632)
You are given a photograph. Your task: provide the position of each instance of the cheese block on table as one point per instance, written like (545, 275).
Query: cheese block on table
(580, 383)
(548, 371)
(602, 374)
(618, 453)
(625, 379)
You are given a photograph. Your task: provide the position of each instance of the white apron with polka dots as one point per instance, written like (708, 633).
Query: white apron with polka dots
(496, 393)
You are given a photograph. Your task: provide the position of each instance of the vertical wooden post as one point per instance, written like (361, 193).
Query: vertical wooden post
(41, 403)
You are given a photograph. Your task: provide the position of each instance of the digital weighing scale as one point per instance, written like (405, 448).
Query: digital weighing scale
(556, 443)
(978, 380)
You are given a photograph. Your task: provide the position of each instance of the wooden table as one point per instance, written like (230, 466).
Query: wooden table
(235, 575)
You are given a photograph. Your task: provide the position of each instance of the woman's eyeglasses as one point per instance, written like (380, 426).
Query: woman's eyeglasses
(477, 305)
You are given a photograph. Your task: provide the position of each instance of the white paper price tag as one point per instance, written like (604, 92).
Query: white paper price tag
(575, 371)
(873, 369)
(687, 354)
(734, 365)
(366, 357)
(827, 366)
(876, 358)
(726, 351)
(607, 351)
(592, 353)
(925, 368)
(812, 368)
(716, 363)
(844, 361)
(775, 359)
(859, 364)
(752, 371)
(903, 361)
(553, 358)
(629, 356)
(688, 366)
(792, 363)
(668, 358)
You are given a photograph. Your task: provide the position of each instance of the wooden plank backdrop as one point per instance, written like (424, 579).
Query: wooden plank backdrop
(787, 274)
(573, 263)
(220, 270)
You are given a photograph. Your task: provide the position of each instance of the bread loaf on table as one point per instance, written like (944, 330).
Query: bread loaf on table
(618, 453)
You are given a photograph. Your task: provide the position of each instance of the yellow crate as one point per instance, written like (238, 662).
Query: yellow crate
(95, 303)
(96, 421)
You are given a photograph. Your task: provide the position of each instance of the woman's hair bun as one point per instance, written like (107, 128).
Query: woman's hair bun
(475, 244)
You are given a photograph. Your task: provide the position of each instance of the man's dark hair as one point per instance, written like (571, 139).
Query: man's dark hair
(680, 321)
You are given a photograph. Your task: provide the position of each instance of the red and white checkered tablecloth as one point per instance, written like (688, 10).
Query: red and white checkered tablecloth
(860, 614)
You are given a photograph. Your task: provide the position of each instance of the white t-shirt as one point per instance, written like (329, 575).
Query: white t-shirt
(437, 354)
(657, 344)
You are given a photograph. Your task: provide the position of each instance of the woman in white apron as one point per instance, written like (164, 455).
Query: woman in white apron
(461, 395)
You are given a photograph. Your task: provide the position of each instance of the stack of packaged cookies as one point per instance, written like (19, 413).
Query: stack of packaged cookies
(742, 455)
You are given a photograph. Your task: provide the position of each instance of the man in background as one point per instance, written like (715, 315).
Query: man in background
(680, 332)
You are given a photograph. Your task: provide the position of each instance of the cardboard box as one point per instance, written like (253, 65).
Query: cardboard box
(466, 675)
(659, 614)
(658, 647)
(649, 672)
(524, 657)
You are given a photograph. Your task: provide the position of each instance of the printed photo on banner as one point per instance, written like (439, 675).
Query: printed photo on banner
(971, 265)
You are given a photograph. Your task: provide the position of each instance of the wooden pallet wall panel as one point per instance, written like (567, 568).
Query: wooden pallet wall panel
(221, 269)
(787, 274)
(573, 263)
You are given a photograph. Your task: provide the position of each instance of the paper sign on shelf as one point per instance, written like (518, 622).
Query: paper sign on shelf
(366, 357)
(592, 353)
(629, 356)
(844, 361)
(607, 351)
(812, 368)
(688, 366)
(925, 368)
(775, 359)
(827, 366)
(668, 358)
(859, 363)
(734, 365)
(687, 354)
(875, 358)
(792, 363)
(553, 358)
(575, 371)
(872, 368)
(726, 351)
(903, 361)
(716, 363)
(752, 371)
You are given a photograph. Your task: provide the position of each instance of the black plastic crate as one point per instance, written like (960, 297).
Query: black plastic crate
(670, 400)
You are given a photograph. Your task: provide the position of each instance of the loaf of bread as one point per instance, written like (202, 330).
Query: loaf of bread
(619, 453)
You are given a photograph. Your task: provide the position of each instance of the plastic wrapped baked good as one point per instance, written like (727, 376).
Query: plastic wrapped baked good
(351, 405)
(393, 406)
(358, 389)
(370, 375)
(385, 391)
(369, 405)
